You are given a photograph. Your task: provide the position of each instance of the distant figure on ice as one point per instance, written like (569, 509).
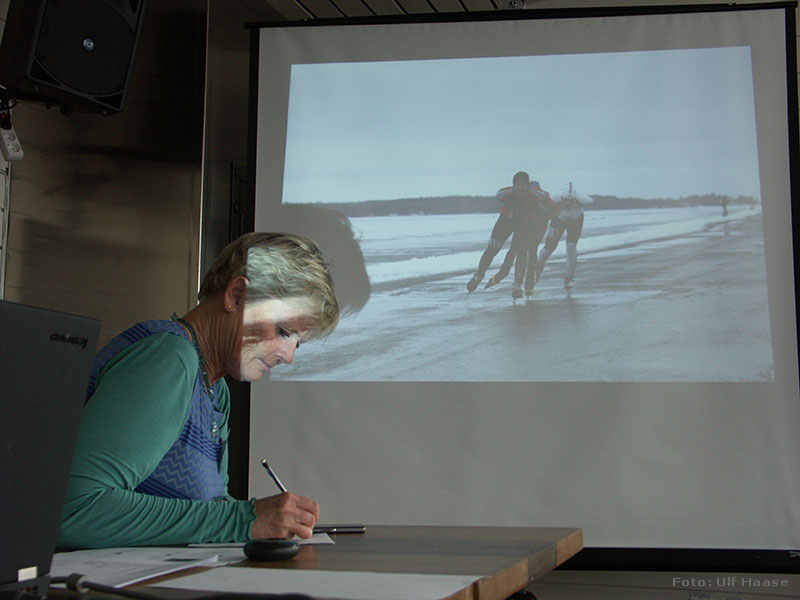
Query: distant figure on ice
(518, 205)
(724, 206)
(570, 218)
(527, 236)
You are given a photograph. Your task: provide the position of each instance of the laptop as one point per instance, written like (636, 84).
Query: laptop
(45, 358)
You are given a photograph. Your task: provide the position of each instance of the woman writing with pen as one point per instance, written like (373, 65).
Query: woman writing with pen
(150, 466)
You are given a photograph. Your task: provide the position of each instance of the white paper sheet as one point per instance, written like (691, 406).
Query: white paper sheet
(354, 585)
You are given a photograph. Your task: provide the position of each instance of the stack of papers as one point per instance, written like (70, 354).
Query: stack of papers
(119, 567)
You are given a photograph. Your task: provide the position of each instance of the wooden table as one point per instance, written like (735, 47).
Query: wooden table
(503, 559)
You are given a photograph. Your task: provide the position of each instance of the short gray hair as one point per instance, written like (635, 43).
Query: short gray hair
(278, 266)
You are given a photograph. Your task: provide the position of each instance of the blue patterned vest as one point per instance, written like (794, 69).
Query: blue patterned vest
(192, 468)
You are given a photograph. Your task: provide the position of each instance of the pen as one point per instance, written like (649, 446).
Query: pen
(272, 474)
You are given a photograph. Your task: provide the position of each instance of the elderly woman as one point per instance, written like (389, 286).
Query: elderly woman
(150, 466)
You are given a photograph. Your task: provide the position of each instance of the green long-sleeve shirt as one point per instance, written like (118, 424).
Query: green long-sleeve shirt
(136, 414)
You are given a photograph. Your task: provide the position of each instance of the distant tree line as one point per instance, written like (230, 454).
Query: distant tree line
(457, 205)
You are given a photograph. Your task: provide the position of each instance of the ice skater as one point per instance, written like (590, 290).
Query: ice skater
(570, 218)
(518, 201)
(528, 235)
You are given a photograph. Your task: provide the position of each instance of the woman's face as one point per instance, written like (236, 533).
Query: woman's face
(271, 332)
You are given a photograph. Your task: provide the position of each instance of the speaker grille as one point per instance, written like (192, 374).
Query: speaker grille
(86, 45)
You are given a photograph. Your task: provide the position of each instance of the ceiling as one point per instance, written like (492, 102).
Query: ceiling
(302, 10)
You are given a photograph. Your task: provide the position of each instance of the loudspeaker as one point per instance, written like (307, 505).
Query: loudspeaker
(75, 53)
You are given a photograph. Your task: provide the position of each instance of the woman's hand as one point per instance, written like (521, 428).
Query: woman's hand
(284, 516)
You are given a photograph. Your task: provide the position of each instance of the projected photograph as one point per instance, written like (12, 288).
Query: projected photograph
(582, 217)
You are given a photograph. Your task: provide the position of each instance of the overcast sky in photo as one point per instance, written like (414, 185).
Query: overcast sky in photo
(654, 124)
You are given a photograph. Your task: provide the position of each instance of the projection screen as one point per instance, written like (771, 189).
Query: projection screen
(654, 404)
